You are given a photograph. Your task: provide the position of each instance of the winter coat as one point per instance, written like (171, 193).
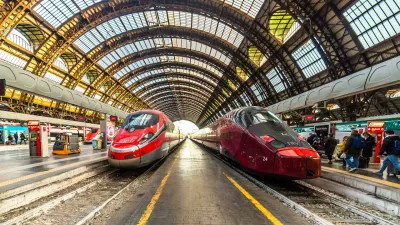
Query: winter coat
(330, 145)
(388, 145)
(369, 144)
(352, 151)
(16, 136)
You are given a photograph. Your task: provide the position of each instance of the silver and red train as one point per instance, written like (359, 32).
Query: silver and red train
(262, 144)
(144, 137)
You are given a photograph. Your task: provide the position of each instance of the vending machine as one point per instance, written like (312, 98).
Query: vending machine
(38, 139)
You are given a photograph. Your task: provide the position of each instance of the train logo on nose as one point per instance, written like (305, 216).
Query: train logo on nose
(265, 159)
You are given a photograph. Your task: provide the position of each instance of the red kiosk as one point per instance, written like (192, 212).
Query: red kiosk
(376, 128)
(38, 139)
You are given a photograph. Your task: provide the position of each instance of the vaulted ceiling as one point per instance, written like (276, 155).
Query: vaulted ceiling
(196, 59)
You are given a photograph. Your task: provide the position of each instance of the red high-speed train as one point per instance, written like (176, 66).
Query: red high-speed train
(144, 137)
(262, 144)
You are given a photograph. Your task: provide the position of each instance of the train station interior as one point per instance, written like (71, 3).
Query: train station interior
(212, 112)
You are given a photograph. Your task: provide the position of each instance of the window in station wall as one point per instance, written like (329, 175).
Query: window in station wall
(61, 64)
(256, 92)
(275, 77)
(16, 61)
(18, 38)
(246, 99)
(374, 20)
(309, 59)
(53, 77)
(80, 89)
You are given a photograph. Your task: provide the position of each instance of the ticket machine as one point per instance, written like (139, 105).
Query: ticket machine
(376, 129)
(38, 139)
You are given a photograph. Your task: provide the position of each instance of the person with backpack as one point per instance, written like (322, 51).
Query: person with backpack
(354, 146)
(390, 148)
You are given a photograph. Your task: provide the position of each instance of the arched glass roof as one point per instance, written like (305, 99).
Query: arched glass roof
(158, 59)
(134, 21)
(142, 45)
(166, 72)
(56, 12)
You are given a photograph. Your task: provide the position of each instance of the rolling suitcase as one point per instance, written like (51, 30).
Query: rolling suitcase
(362, 162)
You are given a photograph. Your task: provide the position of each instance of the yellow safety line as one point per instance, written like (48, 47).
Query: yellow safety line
(256, 203)
(147, 213)
(375, 180)
(8, 182)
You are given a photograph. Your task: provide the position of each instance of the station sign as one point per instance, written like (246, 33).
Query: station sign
(33, 125)
(309, 117)
(113, 118)
(81, 118)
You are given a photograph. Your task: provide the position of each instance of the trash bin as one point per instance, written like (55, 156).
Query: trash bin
(99, 144)
(94, 144)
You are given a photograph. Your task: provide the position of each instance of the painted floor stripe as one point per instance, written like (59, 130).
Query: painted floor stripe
(147, 213)
(256, 203)
(375, 180)
(8, 182)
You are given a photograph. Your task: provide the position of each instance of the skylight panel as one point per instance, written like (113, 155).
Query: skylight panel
(79, 89)
(16, 61)
(53, 77)
(374, 20)
(276, 80)
(85, 79)
(83, 4)
(250, 7)
(56, 12)
(309, 59)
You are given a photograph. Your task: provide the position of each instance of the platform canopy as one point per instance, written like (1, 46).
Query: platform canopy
(196, 59)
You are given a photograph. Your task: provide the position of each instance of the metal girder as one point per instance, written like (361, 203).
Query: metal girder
(174, 75)
(11, 13)
(188, 91)
(158, 32)
(151, 87)
(187, 100)
(114, 68)
(259, 36)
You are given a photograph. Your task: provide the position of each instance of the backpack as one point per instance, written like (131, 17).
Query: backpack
(358, 143)
(396, 144)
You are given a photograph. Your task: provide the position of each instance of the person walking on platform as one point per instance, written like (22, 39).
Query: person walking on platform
(354, 145)
(369, 144)
(330, 146)
(343, 147)
(22, 137)
(390, 148)
(16, 138)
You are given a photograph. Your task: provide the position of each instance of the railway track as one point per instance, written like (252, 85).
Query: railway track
(315, 204)
(82, 203)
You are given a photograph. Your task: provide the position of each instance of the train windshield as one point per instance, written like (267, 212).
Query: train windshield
(268, 126)
(140, 121)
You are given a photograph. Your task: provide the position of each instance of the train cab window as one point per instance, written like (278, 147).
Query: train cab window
(140, 121)
(258, 117)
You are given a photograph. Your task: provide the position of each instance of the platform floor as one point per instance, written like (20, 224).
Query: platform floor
(367, 173)
(17, 165)
(193, 187)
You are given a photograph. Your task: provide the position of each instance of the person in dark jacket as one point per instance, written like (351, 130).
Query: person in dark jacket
(369, 144)
(16, 138)
(388, 149)
(312, 139)
(330, 146)
(352, 152)
(22, 137)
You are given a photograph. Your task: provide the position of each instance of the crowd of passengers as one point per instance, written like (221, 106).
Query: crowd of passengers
(13, 138)
(358, 148)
